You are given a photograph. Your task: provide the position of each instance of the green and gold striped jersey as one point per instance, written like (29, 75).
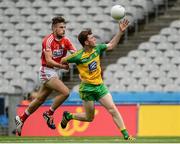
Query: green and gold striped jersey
(88, 64)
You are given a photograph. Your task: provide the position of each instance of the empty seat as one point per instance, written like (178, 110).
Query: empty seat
(158, 39)
(88, 4)
(11, 33)
(143, 61)
(5, 68)
(136, 54)
(163, 46)
(154, 53)
(11, 11)
(39, 25)
(125, 61)
(33, 40)
(175, 61)
(175, 24)
(22, 47)
(135, 88)
(39, 3)
(23, 68)
(138, 74)
(72, 3)
(5, 47)
(108, 74)
(94, 11)
(145, 81)
(9, 75)
(173, 74)
(27, 33)
(164, 81)
(168, 67)
(113, 68)
(157, 74)
(33, 61)
(4, 81)
(104, 3)
(168, 31)
(17, 19)
(10, 54)
(23, 4)
(128, 81)
(177, 46)
(78, 11)
(34, 18)
(150, 67)
(7, 89)
(28, 54)
(117, 88)
(160, 60)
(6, 26)
(28, 11)
(92, 25)
(22, 26)
(131, 68)
(147, 46)
(4, 19)
(29, 76)
(154, 88)
(19, 84)
(7, 4)
(121, 74)
(17, 61)
(55, 4)
(171, 53)
(174, 38)
(61, 11)
(171, 88)
(44, 11)
(101, 18)
(16, 40)
(83, 18)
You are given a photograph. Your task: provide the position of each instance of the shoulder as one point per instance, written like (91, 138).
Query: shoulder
(48, 39)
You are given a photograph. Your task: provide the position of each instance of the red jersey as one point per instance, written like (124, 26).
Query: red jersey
(58, 48)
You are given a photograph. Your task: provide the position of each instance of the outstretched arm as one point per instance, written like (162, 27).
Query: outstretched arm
(115, 40)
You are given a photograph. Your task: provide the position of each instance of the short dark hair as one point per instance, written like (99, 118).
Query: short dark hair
(82, 37)
(58, 19)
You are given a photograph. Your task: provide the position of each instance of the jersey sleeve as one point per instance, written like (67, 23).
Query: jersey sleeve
(101, 48)
(46, 45)
(73, 58)
(70, 46)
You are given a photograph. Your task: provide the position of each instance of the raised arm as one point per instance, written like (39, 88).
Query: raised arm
(115, 40)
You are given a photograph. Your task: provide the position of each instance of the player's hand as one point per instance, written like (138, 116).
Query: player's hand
(64, 66)
(123, 25)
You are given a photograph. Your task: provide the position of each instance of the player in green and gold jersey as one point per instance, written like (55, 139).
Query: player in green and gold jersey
(92, 88)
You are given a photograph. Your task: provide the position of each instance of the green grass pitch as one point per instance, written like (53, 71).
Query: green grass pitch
(15, 139)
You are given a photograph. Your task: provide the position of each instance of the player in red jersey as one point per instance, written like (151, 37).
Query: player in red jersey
(54, 47)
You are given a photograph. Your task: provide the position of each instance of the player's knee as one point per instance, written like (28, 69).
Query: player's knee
(66, 92)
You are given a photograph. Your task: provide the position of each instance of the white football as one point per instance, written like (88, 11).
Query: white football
(117, 12)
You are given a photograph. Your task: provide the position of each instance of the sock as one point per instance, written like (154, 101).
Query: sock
(69, 116)
(50, 111)
(125, 133)
(24, 116)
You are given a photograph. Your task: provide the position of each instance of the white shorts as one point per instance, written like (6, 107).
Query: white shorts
(46, 74)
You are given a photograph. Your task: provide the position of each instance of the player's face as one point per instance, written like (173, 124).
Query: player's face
(60, 29)
(91, 41)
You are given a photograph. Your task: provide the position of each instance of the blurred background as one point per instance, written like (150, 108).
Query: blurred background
(142, 73)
